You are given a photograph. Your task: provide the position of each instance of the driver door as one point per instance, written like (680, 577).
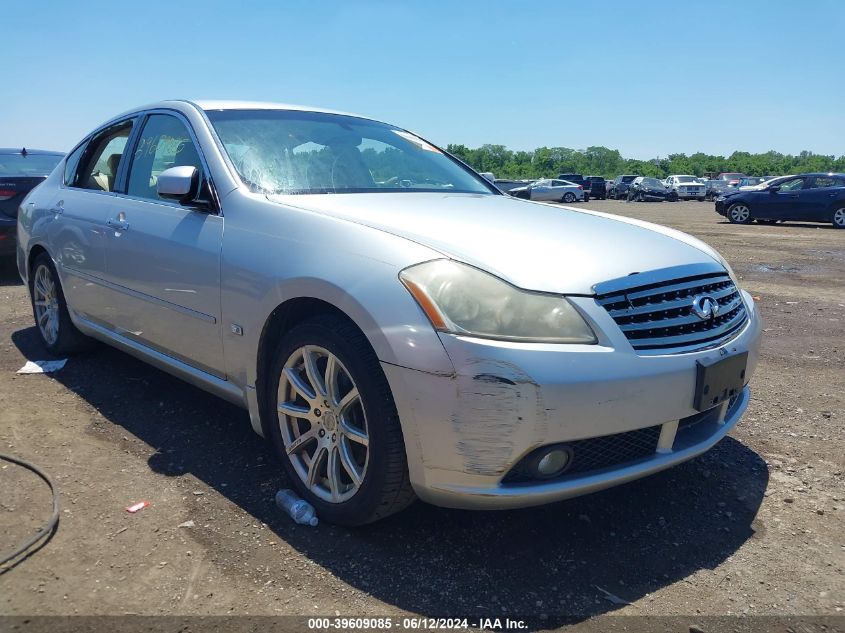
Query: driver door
(781, 205)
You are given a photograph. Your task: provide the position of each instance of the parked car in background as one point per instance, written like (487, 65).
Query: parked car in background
(578, 179)
(505, 184)
(550, 190)
(750, 182)
(598, 187)
(715, 188)
(619, 188)
(731, 177)
(687, 187)
(21, 170)
(412, 333)
(803, 198)
(645, 189)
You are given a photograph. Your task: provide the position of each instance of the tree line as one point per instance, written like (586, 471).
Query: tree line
(546, 162)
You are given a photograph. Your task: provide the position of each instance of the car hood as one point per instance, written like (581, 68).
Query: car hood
(546, 248)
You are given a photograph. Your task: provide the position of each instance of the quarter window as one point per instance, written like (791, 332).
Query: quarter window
(164, 143)
(99, 169)
(71, 164)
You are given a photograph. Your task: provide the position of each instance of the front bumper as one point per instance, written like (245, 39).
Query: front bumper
(465, 432)
(690, 195)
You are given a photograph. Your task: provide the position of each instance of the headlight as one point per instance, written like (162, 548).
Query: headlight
(464, 300)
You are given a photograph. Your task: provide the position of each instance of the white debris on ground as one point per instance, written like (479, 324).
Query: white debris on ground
(42, 366)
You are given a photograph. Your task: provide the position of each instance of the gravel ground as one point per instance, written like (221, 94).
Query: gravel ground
(753, 527)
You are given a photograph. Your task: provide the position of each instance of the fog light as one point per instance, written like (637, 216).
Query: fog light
(552, 462)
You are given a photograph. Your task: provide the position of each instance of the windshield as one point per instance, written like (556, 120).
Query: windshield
(687, 179)
(653, 182)
(295, 152)
(28, 165)
(628, 178)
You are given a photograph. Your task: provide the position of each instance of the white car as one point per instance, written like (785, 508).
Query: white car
(687, 187)
(551, 191)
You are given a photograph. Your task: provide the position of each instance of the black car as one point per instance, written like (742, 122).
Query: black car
(619, 186)
(21, 170)
(645, 189)
(578, 179)
(804, 198)
(598, 187)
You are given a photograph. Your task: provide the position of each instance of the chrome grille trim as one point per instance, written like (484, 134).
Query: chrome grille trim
(657, 317)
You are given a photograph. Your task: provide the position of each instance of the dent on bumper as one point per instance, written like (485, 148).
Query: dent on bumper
(525, 495)
(464, 432)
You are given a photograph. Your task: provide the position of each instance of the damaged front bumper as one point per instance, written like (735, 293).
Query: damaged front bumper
(466, 433)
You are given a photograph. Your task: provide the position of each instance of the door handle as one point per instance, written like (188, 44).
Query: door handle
(119, 223)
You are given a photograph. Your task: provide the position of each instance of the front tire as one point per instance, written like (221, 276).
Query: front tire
(838, 218)
(739, 213)
(52, 320)
(334, 424)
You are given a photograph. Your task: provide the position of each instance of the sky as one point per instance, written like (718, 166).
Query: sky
(649, 78)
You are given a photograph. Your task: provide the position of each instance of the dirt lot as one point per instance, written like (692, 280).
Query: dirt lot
(756, 526)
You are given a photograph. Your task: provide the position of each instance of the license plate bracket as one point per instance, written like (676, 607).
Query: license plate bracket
(718, 380)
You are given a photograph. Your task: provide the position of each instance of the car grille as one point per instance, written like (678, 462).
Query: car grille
(659, 319)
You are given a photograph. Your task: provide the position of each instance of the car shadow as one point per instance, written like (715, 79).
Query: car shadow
(563, 562)
(9, 272)
(789, 224)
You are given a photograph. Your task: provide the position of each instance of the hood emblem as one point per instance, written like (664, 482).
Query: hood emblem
(705, 307)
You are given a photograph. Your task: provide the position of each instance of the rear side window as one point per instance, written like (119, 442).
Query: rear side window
(98, 170)
(825, 181)
(71, 164)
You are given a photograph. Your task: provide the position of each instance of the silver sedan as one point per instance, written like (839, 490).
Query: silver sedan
(395, 326)
(549, 190)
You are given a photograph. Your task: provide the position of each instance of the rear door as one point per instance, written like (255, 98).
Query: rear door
(162, 257)
(819, 197)
(84, 202)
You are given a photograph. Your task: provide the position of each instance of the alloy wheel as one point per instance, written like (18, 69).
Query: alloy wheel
(740, 213)
(323, 424)
(839, 218)
(46, 301)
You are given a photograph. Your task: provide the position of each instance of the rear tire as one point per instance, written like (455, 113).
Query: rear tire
(49, 308)
(838, 218)
(569, 197)
(739, 213)
(355, 446)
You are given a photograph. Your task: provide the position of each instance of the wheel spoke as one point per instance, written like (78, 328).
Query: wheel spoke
(41, 304)
(333, 473)
(313, 372)
(348, 462)
(295, 410)
(300, 441)
(299, 385)
(354, 434)
(44, 319)
(314, 466)
(331, 379)
(347, 400)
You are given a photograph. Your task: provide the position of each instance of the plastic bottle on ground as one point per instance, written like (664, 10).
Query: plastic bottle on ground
(298, 509)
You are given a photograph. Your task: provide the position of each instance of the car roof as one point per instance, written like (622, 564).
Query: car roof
(19, 150)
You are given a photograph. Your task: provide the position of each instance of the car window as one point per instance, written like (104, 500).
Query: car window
(71, 164)
(791, 185)
(164, 143)
(824, 181)
(558, 183)
(98, 171)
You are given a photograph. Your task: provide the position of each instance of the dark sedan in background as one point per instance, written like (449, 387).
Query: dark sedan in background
(645, 189)
(803, 198)
(619, 186)
(21, 170)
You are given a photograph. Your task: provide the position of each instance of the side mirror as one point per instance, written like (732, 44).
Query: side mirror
(774, 189)
(178, 183)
